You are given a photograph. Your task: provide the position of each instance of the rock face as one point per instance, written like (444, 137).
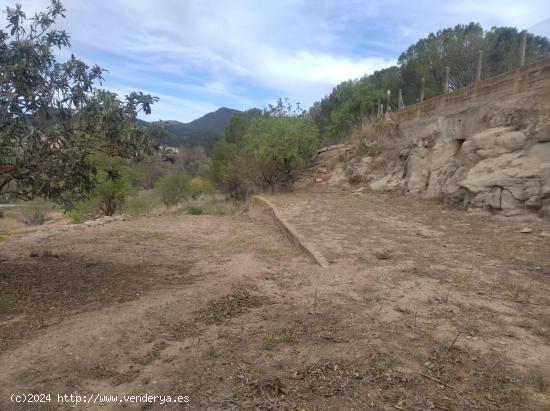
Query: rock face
(485, 146)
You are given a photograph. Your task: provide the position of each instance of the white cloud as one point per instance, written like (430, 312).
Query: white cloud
(169, 107)
(202, 54)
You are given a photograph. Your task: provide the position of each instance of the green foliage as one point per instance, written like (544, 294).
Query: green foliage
(111, 188)
(359, 97)
(197, 186)
(172, 188)
(280, 146)
(141, 202)
(232, 168)
(7, 302)
(457, 47)
(195, 210)
(111, 194)
(53, 119)
(263, 150)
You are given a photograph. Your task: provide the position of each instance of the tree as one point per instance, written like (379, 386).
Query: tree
(192, 160)
(232, 168)
(457, 47)
(52, 117)
(281, 146)
(264, 150)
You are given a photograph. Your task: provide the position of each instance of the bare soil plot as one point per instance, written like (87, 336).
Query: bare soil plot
(419, 310)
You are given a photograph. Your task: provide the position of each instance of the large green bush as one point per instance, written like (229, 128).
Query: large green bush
(280, 146)
(263, 150)
(172, 188)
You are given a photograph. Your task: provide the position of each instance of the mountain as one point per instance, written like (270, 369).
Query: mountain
(204, 131)
(214, 122)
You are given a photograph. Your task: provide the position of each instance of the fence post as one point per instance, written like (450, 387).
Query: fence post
(479, 62)
(388, 107)
(522, 48)
(422, 85)
(379, 109)
(400, 100)
(446, 81)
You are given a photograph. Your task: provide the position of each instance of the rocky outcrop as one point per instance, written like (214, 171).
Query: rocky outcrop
(486, 146)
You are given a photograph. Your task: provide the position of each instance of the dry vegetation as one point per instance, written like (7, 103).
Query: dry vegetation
(439, 310)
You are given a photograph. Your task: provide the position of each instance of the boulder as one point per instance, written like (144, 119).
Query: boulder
(496, 141)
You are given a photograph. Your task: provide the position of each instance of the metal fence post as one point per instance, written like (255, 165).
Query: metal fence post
(446, 81)
(422, 86)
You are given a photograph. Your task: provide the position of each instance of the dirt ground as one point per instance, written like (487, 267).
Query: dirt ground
(423, 307)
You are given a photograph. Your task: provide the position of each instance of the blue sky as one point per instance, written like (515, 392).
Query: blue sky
(199, 55)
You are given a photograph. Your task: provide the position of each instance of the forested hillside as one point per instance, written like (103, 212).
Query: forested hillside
(456, 47)
(204, 131)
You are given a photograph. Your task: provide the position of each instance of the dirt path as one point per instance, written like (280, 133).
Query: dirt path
(417, 311)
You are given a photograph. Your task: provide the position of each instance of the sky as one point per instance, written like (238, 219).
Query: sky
(197, 56)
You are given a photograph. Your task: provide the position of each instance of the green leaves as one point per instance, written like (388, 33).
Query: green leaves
(264, 150)
(53, 118)
(457, 47)
(173, 188)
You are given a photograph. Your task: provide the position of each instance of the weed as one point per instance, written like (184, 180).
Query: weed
(276, 253)
(37, 217)
(213, 352)
(142, 202)
(195, 210)
(6, 302)
(384, 254)
(279, 336)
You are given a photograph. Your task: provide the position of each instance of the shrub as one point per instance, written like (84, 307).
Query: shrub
(84, 210)
(197, 186)
(105, 200)
(172, 188)
(36, 217)
(281, 146)
(263, 150)
(1, 213)
(7, 302)
(112, 186)
(142, 202)
(195, 210)
(111, 194)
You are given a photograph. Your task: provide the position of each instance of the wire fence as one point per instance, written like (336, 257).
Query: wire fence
(508, 51)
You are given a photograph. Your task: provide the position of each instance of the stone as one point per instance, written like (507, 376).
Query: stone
(496, 141)
(542, 132)
(338, 177)
(526, 230)
(426, 233)
(508, 201)
(512, 212)
(544, 212)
